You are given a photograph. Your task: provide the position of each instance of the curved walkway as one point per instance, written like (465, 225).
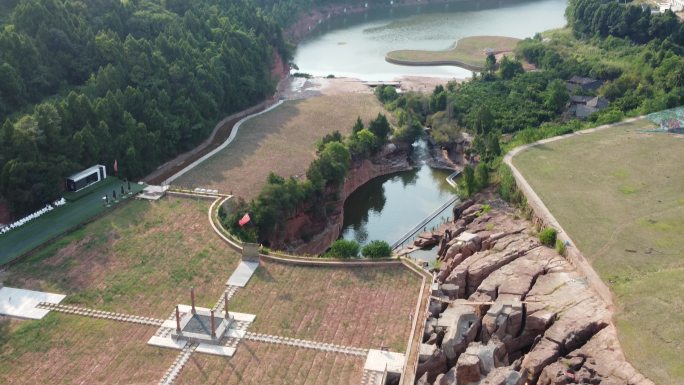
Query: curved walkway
(230, 139)
(574, 255)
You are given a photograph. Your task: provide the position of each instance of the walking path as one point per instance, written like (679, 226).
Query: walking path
(82, 311)
(422, 223)
(175, 369)
(229, 140)
(372, 377)
(573, 254)
(306, 344)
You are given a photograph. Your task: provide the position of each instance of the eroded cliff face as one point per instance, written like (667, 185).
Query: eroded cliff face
(389, 160)
(509, 311)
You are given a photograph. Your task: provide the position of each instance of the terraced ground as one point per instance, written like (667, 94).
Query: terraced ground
(142, 259)
(281, 140)
(619, 193)
(366, 307)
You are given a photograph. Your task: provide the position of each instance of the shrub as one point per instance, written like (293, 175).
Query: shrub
(377, 249)
(548, 237)
(560, 247)
(343, 248)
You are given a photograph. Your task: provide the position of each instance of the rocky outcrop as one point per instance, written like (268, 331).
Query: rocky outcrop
(600, 360)
(529, 316)
(395, 159)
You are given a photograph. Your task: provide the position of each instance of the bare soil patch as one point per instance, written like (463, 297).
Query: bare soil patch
(281, 141)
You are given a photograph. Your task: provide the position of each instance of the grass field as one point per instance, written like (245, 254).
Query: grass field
(365, 307)
(143, 257)
(469, 52)
(53, 223)
(140, 259)
(281, 141)
(259, 363)
(619, 194)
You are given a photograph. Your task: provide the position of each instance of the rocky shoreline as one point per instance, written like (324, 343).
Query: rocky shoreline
(506, 310)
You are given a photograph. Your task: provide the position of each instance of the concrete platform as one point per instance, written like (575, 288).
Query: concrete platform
(153, 193)
(22, 303)
(216, 350)
(166, 342)
(378, 360)
(242, 274)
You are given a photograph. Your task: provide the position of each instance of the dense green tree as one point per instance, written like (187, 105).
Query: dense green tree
(380, 127)
(377, 249)
(344, 249)
(136, 81)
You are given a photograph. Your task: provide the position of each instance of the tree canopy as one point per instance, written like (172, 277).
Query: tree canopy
(136, 81)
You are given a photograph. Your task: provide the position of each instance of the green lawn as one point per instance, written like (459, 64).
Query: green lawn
(60, 220)
(619, 193)
(468, 52)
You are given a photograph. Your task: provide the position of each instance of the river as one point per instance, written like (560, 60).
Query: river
(355, 45)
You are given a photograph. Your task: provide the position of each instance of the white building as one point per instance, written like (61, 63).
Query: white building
(86, 177)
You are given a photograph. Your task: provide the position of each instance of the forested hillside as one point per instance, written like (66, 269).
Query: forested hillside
(85, 82)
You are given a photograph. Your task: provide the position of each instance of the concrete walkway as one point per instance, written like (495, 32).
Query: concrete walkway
(233, 134)
(242, 274)
(174, 371)
(306, 344)
(85, 312)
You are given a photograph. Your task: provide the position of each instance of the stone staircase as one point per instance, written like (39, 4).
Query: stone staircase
(306, 344)
(175, 369)
(371, 377)
(100, 314)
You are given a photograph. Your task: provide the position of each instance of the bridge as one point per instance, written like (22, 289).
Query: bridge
(420, 226)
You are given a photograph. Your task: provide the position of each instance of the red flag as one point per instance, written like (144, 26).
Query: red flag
(244, 220)
(116, 167)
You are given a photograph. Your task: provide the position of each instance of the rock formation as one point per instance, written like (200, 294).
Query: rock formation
(509, 311)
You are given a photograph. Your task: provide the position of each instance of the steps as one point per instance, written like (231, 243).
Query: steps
(100, 314)
(371, 377)
(175, 369)
(306, 344)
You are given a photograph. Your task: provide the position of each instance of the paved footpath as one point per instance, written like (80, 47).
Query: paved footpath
(82, 311)
(306, 344)
(174, 371)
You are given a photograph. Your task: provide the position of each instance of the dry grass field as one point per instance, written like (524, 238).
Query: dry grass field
(468, 52)
(364, 307)
(258, 363)
(281, 141)
(619, 193)
(140, 259)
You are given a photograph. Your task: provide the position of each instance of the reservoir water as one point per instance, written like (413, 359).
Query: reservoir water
(387, 207)
(355, 45)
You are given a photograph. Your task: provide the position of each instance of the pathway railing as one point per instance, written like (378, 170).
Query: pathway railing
(422, 223)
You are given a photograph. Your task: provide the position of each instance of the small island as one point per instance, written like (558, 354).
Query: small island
(469, 53)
